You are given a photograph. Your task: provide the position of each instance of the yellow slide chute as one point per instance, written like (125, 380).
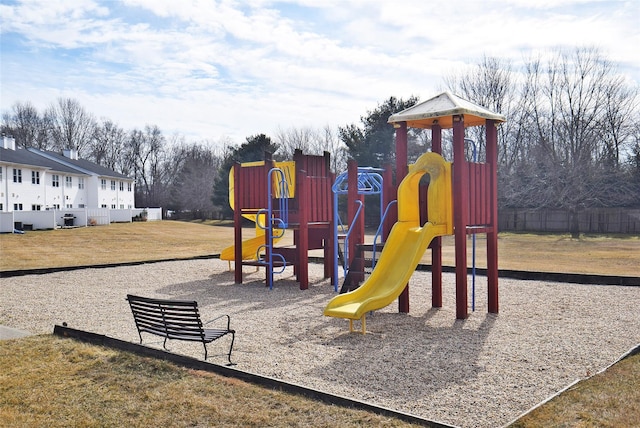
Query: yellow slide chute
(407, 241)
(251, 246)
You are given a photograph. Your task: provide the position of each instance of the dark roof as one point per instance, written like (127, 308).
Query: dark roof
(86, 165)
(25, 157)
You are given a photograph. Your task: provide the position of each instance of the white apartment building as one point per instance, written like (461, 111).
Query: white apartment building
(38, 180)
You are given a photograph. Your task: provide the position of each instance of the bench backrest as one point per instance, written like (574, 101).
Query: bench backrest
(174, 319)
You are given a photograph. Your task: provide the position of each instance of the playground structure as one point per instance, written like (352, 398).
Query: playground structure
(292, 195)
(473, 196)
(461, 200)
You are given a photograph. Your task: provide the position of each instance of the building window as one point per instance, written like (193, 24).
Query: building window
(55, 180)
(103, 206)
(80, 205)
(121, 186)
(121, 206)
(1, 169)
(36, 207)
(17, 175)
(1, 207)
(80, 183)
(113, 184)
(35, 177)
(17, 207)
(103, 185)
(69, 205)
(56, 206)
(129, 186)
(113, 206)
(68, 182)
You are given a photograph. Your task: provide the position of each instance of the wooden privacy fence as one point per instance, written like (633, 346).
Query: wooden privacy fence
(595, 220)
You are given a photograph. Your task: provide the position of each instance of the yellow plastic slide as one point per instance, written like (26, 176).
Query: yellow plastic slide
(407, 241)
(249, 249)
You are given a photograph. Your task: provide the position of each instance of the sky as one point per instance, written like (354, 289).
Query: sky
(226, 70)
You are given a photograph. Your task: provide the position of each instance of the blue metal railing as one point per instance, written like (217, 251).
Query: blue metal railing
(345, 266)
(473, 252)
(379, 231)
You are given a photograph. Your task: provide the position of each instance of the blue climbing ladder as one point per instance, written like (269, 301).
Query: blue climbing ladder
(275, 219)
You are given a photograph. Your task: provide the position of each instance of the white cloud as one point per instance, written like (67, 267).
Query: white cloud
(211, 68)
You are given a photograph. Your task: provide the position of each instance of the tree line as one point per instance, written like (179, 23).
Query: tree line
(571, 140)
(184, 177)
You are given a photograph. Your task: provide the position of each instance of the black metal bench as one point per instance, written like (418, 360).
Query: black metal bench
(176, 319)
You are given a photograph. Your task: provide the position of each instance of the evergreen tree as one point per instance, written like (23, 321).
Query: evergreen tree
(373, 143)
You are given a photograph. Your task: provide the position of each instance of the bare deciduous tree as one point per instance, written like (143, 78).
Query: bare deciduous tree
(291, 139)
(491, 85)
(146, 153)
(620, 114)
(193, 184)
(72, 127)
(108, 146)
(27, 126)
(329, 141)
(314, 142)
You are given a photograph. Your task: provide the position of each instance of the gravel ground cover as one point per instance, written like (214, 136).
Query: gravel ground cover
(480, 372)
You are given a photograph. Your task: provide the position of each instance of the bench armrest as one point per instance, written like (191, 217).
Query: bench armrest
(217, 318)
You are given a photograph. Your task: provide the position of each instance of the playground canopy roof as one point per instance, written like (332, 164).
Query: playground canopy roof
(441, 109)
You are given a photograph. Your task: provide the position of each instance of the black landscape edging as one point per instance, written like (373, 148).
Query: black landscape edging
(272, 383)
(571, 278)
(42, 271)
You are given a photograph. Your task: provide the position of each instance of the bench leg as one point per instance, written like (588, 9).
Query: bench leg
(233, 338)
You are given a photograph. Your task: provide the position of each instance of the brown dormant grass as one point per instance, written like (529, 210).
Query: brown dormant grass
(143, 241)
(591, 254)
(56, 382)
(608, 399)
(115, 243)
